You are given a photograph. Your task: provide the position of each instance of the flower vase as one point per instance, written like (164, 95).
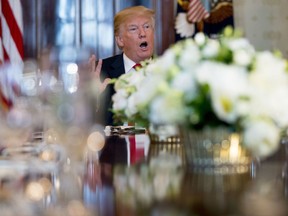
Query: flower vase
(165, 139)
(218, 193)
(215, 147)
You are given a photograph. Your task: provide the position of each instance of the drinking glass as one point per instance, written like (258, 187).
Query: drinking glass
(70, 106)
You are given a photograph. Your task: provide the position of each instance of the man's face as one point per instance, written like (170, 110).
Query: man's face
(136, 37)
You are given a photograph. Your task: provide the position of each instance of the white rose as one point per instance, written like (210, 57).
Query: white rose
(167, 108)
(242, 57)
(185, 82)
(131, 108)
(136, 78)
(120, 99)
(272, 103)
(271, 65)
(147, 90)
(200, 38)
(227, 85)
(240, 44)
(122, 81)
(190, 55)
(211, 49)
(261, 137)
(167, 60)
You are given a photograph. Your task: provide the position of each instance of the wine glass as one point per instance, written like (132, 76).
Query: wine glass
(19, 108)
(70, 105)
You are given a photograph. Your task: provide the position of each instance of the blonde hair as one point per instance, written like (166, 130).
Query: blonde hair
(126, 14)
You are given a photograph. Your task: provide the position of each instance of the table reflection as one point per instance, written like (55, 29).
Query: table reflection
(98, 191)
(36, 180)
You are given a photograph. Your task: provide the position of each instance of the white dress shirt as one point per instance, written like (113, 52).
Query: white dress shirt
(128, 64)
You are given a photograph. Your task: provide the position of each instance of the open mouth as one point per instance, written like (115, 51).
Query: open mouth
(144, 44)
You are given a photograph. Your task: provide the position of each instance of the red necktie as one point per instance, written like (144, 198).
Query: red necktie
(137, 66)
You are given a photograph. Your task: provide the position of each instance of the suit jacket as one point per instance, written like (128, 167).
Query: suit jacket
(112, 67)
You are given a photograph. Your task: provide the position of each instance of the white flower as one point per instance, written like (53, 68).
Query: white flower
(190, 55)
(147, 91)
(270, 103)
(122, 82)
(131, 106)
(278, 106)
(166, 61)
(261, 137)
(228, 85)
(211, 49)
(267, 62)
(268, 72)
(239, 44)
(186, 83)
(136, 80)
(242, 57)
(167, 108)
(120, 99)
(200, 38)
(268, 87)
(225, 79)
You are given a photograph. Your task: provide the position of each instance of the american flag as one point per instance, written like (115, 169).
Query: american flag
(196, 11)
(11, 46)
(11, 31)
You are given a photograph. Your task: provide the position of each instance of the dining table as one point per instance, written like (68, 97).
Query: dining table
(125, 172)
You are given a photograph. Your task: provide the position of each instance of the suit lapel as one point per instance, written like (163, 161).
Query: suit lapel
(117, 67)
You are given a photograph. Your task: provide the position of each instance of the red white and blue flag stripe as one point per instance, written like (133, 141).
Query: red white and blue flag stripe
(196, 11)
(11, 46)
(11, 32)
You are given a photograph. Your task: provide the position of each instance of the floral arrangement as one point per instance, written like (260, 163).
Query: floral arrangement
(204, 82)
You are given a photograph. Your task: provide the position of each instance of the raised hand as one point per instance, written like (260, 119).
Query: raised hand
(96, 70)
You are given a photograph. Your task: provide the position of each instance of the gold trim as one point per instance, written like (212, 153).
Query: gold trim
(184, 4)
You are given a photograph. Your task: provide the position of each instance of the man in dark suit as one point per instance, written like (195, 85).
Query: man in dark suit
(134, 35)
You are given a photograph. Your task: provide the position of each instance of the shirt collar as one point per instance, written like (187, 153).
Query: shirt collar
(128, 63)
